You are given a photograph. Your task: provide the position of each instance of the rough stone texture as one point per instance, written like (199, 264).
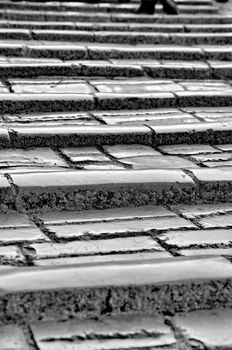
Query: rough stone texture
(101, 190)
(12, 338)
(213, 331)
(105, 333)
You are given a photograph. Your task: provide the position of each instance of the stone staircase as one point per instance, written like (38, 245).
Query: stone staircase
(115, 176)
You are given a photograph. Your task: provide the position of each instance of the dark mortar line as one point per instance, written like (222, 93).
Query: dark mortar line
(112, 158)
(178, 212)
(167, 248)
(98, 119)
(63, 157)
(42, 227)
(179, 335)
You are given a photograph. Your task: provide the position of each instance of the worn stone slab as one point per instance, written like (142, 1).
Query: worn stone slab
(135, 100)
(112, 332)
(61, 86)
(6, 195)
(214, 330)
(138, 117)
(78, 190)
(125, 151)
(15, 219)
(96, 259)
(188, 149)
(68, 217)
(12, 338)
(163, 281)
(201, 210)
(196, 239)
(123, 228)
(75, 135)
(33, 103)
(158, 162)
(214, 184)
(42, 157)
(11, 255)
(125, 245)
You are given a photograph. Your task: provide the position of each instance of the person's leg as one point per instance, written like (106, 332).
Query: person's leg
(169, 7)
(147, 7)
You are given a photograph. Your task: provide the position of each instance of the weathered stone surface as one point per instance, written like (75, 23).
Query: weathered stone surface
(119, 228)
(12, 338)
(213, 331)
(67, 217)
(122, 332)
(198, 238)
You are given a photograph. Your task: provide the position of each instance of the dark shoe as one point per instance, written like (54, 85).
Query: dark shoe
(147, 7)
(169, 7)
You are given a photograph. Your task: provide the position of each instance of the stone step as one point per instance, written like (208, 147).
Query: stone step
(105, 26)
(186, 16)
(143, 69)
(102, 9)
(99, 51)
(152, 180)
(70, 102)
(125, 331)
(157, 284)
(78, 5)
(127, 37)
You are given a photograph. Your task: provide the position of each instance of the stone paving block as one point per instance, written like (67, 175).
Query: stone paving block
(4, 137)
(221, 70)
(123, 228)
(154, 117)
(32, 70)
(179, 70)
(63, 35)
(10, 220)
(146, 52)
(79, 190)
(213, 331)
(125, 87)
(50, 119)
(188, 149)
(112, 332)
(21, 234)
(158, 162)
(225, 147)
(227, 252)
(201, 210)
(68, 217)
(75, 135)
(208, 98)
(93, 247)
(189, 133)
(135, 100)
(224, 221)
(6, 195)
(85, 154)
(53, 51)
(110, 70)
(214, 184)
(214, 160)
(204, 85)
(222, 52)
(88, 286)
(213, 114)
(96, 259)
(42, 157)
(125, 151)
(46, 86)
(12, 338)
(11, 255)
(196, 239)
(34, 103)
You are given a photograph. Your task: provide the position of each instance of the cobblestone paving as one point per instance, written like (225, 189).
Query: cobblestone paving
(115, 176)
